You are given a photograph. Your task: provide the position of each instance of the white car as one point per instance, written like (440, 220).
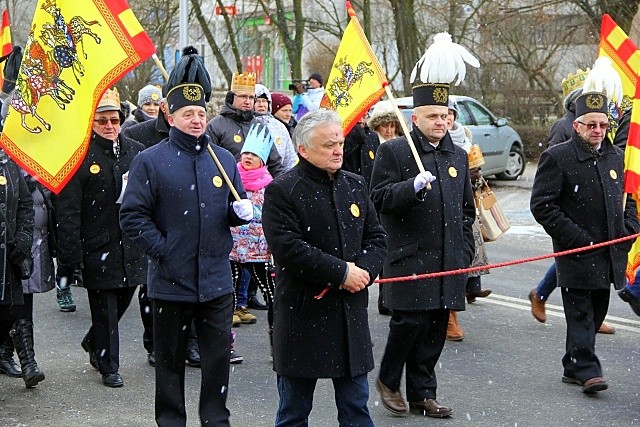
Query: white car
(500, 144)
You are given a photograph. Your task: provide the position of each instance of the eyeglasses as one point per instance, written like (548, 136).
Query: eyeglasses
(592, 126)
(245, 97)
(102, 121)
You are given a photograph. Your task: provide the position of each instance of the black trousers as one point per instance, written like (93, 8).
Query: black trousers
(261, 275)
(584, 311)
(170, 331)
(416, 339)
(107, 307)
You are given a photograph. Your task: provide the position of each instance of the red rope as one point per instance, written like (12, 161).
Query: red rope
(498, 265)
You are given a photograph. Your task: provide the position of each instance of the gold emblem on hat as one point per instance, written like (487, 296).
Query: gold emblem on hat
(154, 96)
(613, 174)
(594, 102)
(453, 171)
(191, 93)
(278, 140)
(371, 154)
(355, 210)
(217, 181)
(94, 168)
(237, 139)
(441, 95)
(3, 180)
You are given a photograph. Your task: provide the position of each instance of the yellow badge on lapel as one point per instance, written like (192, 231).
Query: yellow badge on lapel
(372, 155)
(613, 174)
(217, 181)
(278, 141)
(355, 210)
(237, 139)
(94, 168)
(453, 171)
(3, 180)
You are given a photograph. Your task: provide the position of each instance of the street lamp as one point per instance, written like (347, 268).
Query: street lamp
(184, 24)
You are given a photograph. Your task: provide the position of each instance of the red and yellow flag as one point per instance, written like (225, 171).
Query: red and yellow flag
(74, 52)
(615, 44)
(357, 80)
(5, 41)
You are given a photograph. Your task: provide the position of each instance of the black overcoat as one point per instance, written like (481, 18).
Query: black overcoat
(429, 231)
(578, 200)
(149, 132)
(88, 219)
(314, 226)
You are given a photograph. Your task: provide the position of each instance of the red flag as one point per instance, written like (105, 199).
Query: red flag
(5, 41)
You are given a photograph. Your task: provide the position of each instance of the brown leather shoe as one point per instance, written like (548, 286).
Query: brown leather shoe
(537, 306)
(391, 400)
(594, 384)
(454, 331)
(606, 329)
(430, 408)
(482, 293)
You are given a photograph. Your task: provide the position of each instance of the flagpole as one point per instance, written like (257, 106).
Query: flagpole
(233, 190)
(407, 134)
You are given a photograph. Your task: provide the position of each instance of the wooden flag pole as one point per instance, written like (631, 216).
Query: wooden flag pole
(405, 129)
(233, 190)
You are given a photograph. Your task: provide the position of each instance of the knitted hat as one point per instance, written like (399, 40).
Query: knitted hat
(149, 94)
(383, 113)
(261, 91)
(279, 100)
(316, 76)
(259, 139)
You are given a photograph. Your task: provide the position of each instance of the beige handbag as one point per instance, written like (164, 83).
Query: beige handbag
(493, 223)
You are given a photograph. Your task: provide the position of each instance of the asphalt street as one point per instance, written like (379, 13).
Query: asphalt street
(506, 372)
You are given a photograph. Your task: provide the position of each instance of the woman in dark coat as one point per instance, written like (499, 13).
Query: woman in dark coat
(90, 238)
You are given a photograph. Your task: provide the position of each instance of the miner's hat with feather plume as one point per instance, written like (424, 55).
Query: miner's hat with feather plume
(190, 69)
(442, 64)
(602, 84)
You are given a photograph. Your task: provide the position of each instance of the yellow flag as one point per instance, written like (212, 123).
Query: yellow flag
(74, 52)
(356, 81)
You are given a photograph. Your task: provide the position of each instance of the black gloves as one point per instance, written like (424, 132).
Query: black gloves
(19, 253)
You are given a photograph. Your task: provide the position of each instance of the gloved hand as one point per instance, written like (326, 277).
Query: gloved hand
(422, 179)
(19, 253)
(244, 209)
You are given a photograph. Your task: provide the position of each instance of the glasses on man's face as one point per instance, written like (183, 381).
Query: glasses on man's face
(592, 126)
(246, 97)
(102, 121)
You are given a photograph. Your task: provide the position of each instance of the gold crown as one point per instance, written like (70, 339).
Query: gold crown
(110, 101)
(476, 159)
(245, 82)
(574, 81)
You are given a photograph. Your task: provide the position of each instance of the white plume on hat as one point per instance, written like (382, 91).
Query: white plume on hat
(605, 79)
(444, 61)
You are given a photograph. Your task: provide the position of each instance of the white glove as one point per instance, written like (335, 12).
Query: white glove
(422, 179)
(244, 209)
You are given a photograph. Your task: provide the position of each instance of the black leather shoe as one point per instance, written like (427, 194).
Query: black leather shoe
(193, 356)
(430, 408)
(93, 359)
(112, 380)
(482, 293)
(256, 304)
(633, 301)
(151, 358)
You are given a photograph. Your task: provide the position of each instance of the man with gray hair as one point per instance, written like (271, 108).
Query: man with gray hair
(328, 246)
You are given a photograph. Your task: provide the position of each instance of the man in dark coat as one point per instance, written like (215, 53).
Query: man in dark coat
(430, 230)
(325, 237)
(90, 238)
(562, 129)
(178, 209)
(360, 146)
(577, 198)
(150, 132)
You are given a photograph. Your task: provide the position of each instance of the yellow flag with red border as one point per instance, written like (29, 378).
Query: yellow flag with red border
(357, 80)
(625, 56)
(74, 52)
(5, 41)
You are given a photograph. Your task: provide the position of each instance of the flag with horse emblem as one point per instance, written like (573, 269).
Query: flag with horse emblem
(357, 80)
(75, 50)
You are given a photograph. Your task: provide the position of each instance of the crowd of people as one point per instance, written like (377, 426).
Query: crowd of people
(196, 215)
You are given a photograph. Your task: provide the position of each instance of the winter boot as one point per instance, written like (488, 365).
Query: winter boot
(8, 366)
(22, 335)
(454, 331)
(65, 299)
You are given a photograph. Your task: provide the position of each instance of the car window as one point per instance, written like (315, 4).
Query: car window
(481, 116)
(464, 118)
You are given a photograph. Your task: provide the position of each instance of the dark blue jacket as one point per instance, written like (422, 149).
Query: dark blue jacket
(178, 209)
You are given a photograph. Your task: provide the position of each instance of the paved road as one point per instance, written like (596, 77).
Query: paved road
(505, 373)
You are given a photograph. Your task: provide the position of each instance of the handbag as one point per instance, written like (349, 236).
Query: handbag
(493, 223)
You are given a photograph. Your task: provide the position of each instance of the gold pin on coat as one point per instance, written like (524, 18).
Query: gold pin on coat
(3, 180)
(237, 139)
(94, 168)
(372, 155)
(217, 181)
(355, 210)
(453, 171)
(614, 174)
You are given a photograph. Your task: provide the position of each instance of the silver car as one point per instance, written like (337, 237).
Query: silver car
(500, 144)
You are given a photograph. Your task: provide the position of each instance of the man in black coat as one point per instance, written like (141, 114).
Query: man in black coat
(325, 236)
(429, 217)
(577, 197)
(360, 146)
(90, 238)
(178, 209)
